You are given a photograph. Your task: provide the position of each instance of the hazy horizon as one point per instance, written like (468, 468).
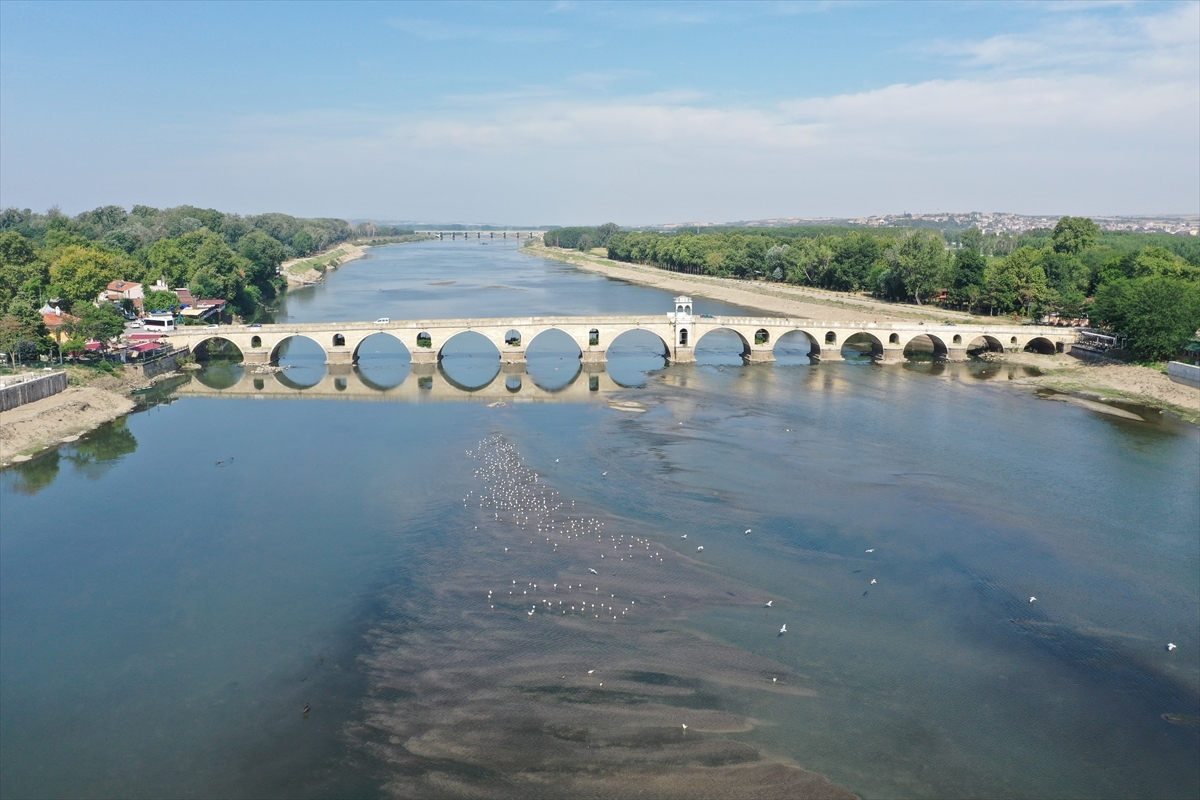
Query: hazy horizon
(565, 113)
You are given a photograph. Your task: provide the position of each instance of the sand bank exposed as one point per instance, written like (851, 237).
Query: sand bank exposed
(61, 417)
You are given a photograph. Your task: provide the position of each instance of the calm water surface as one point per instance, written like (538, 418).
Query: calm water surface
(175, 587)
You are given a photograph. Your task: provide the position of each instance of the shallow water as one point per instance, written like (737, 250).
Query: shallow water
(165, 617)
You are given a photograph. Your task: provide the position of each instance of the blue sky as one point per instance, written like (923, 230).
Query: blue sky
(570, 113)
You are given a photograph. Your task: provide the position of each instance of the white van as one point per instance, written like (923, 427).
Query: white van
(164, 323)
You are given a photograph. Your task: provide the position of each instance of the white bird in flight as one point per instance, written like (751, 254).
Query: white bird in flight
(590, 671)
(1032, 600)
(1171, 646)
(872, 550)
(684, 536)
(698, 549)
(768, 605)
(684, 724)
(783, 629)
(593, 571)
(748, 530)
(872, 581)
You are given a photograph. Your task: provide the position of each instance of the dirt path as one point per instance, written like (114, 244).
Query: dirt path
(61, 417)
(301, 271)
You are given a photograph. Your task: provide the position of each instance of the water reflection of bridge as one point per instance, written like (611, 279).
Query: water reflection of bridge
(424, 382)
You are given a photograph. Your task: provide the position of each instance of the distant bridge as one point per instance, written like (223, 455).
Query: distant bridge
(678, 332)
(518, 235)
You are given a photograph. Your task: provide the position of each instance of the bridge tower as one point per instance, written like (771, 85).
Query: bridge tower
(683, 340)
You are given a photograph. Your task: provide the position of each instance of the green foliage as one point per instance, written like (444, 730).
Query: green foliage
(78, 273)
(1158, 314)
(1016, 283)
(157, 300)
(101, 323)
(920, 263)
(1074, 235)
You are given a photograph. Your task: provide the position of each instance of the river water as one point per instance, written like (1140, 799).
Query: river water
(177, 586)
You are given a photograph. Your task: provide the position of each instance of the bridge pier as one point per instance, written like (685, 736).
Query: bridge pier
(512, 355)
(258, 355)
(424, 355)
(593, 357)
(339, 357)
(828, 354)
(892, 355)
(763, 355)
(683, 355)
(956, 353)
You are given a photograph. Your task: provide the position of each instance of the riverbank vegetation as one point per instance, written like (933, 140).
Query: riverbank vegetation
(1145, 287)
(69, 260)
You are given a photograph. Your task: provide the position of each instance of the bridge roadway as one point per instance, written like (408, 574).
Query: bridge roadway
(679, 332)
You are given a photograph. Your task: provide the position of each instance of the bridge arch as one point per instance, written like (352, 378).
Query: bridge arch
(796, 347)
(859, 343)
(469, 360)
(280, 344)
(634, 352)
(925, 345)
(552, 341)
(984, 343)
(206, 348)
(1041, 345)
(722, 346)
(380, 341)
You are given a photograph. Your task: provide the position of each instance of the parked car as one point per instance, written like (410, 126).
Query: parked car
(254, 325)
(382, 321)
(211, 327)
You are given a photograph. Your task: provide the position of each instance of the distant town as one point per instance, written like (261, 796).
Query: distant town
(995, 222)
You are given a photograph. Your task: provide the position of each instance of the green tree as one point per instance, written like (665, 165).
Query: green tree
(920, 263)
(853, 257)
(1074, 234)
(972, 239)
(19, 265)
(264, 253)
(1157, 314)
(156, 300)
(79, 273)
(1017, 282)
(303, 243)
(101, 323)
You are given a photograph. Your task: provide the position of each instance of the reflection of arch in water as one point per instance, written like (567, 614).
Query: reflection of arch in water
(860, 343)
(634, 353)
(552, 359)
(983, 344)
(294, 384)
(1041, 345)
(512, 383)
(469, 360)
(382, 361)
(925, 346)
(217, 348)
(221, 375)
(796, 347)
(722, 346)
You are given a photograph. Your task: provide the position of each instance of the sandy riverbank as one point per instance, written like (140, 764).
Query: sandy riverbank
(1107, 380)
(774, 298)
(59, 418)
(302, 271)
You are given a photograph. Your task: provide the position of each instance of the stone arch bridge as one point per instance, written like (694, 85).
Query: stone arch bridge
(678, 332)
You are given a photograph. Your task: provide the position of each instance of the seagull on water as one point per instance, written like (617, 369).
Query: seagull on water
(872, 581)
(593, 571)
(698, 549)
(590, 671)
(871, 550)
(1032, 600)
(783, 629)
(684, 536)
(684, 724)
(1171, 646)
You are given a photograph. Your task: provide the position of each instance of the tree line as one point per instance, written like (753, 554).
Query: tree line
(1144, 286)
(69, 260)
